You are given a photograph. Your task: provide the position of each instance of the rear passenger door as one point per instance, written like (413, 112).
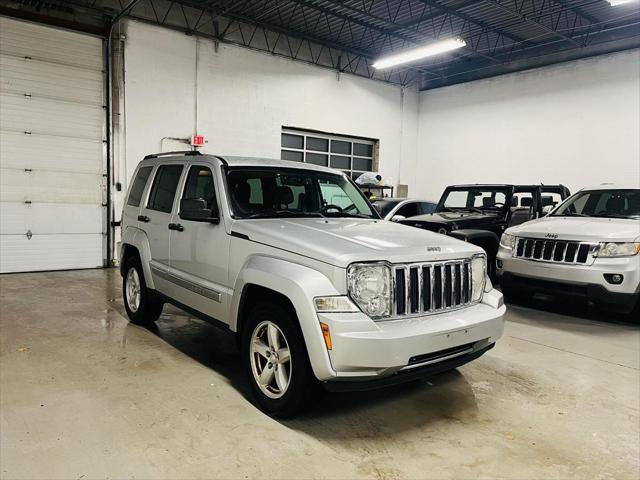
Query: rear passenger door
(155, 218)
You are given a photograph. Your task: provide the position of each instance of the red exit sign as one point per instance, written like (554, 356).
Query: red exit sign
(197, 140)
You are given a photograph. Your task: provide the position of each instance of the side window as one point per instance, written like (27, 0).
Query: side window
(408, 210)
(427, 207)
(200, 186)
(164, 188)
(138, 186)
(551, 198)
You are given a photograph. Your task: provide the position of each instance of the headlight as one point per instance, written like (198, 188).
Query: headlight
(478, 276)
(507, 241)
(370, 287)
(611, 249)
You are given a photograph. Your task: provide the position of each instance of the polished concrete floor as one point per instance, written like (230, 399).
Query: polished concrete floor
(84, 394)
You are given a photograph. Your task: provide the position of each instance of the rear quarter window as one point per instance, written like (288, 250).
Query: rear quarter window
(137, 189)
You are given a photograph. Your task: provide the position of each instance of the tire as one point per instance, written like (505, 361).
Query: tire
(142, 305)
(288, 384)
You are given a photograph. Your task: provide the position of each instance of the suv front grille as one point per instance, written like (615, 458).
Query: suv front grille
(426, 288)
(558, 251)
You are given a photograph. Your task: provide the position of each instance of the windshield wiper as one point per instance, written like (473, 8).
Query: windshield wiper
(285, 213)
(614, 215)
(348, 215)
(569, 214)
(460, 209)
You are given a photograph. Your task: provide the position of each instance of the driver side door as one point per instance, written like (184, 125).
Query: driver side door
(199, 250)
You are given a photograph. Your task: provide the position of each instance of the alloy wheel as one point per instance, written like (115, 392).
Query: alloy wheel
(133, 290)
(270, 359)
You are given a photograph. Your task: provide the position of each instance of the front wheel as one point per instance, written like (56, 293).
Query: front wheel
(142, 305)
(276, 361)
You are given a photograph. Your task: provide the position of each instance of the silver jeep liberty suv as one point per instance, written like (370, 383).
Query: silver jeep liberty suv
(293, 259)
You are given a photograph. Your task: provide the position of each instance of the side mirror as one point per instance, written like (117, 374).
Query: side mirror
(398, 218)
(546, 209)
(195, 209)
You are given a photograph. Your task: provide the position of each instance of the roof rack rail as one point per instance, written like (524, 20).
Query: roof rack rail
(171, 154)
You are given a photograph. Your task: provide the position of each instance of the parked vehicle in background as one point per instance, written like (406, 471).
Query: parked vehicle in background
(315, 291)
(588, 247)
(479, 214)
(396, 209)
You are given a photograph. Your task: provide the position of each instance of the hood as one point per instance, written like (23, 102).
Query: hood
(460, 219)
(341, 241)
(581, 229)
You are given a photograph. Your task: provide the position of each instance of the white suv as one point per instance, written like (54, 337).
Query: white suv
(292, 258)
(587, 246)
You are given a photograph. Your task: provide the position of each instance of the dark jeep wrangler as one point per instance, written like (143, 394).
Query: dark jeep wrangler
(480, 213)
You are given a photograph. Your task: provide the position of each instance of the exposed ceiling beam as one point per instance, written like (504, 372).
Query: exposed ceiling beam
(531, 20)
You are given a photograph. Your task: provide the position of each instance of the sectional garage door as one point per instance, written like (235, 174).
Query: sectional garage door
(52, 154)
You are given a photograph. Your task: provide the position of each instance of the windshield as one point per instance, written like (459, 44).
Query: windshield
(474, 198)
(278, 193)
(385, 206)
(601, 203)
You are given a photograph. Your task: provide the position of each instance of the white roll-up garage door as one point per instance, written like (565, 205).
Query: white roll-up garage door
(52, 150)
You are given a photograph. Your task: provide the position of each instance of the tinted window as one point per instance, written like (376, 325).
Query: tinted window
(602, 203)
(427, 207)
(291, 155)
(319, 144)
(384, 206)
(138, 186)
(362, 163)
(164, 188)
(408, 210)
(292, 141)
(200, 186)
(362, 150)
(340, 162)
(338, 146)
(317, 159)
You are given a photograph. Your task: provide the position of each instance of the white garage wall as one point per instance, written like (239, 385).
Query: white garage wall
(245, 97)
(576, 123)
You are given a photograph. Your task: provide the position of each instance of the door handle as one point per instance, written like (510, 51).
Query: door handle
(176, 226)
(143, 218)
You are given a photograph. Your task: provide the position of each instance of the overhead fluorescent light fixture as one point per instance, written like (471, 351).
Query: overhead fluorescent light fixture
(615, 3)
(418, 53)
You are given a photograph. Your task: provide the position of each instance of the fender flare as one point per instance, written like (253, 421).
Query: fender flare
(298, 283)
(137, 238)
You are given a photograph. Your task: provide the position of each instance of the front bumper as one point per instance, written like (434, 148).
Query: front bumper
(586, 281)
(366, 351)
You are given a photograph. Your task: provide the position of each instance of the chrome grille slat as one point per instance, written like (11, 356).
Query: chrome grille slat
(407, 291)
(562, 251)
(420, 287)
(427, 288)
(431, 284)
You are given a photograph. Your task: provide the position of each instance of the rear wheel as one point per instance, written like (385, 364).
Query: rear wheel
(276, 361)
(142, 305)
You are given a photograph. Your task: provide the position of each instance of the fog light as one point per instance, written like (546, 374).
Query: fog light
(614, 278)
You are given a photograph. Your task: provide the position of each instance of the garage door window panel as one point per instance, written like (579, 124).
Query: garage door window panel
(352, 156)
(164, 188)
